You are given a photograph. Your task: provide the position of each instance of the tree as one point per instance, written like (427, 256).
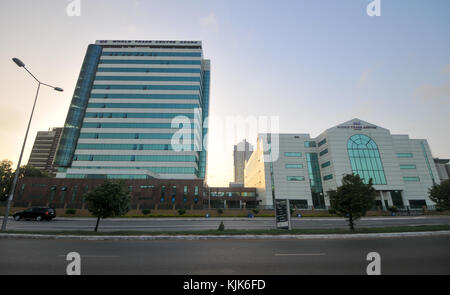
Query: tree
(108, 200)
(353, 199)
(440, 194)
(30, 171)
(7, 176)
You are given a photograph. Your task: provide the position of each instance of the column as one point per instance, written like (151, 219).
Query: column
(405, 199)
(389, 199)
(382, 201)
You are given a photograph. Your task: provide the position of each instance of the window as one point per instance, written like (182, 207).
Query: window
(411, 179)
(404, 155)
(322, 142)
(365, 159)
(295, 178)
(310, 143)
(324, 152)
(326, 164)
(292, 154)
(407, 166)
(196, 191)
(174, 191)
(328, 177)
(294, 166)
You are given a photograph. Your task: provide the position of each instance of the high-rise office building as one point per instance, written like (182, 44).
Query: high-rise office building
(44, 149)
(242, 152)
(138, 112)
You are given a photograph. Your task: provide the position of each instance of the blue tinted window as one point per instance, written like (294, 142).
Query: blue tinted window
(325, 151)
(411, 179)
(292, 154)
(326, 164)
(147, 70)
(145, 96)
(328, 177)
(295, 178)
(147, 87)
(294, 166)
(365, 159)
(322, 142)
(143, 61)
(145, 78)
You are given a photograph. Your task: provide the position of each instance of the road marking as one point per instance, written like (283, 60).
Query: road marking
(94, 256)
(300, 254)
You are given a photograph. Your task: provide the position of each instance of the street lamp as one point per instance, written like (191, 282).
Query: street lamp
(20, 64)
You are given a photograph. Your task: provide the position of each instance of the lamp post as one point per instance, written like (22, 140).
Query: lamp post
(20, 64)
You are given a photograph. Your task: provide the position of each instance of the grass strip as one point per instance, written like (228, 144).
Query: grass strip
(393, 229)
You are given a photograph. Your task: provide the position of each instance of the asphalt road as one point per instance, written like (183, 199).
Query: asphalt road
(180, 224)
(411, 255)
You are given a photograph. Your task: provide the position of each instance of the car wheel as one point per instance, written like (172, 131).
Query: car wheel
(38, 218)
(17, 217)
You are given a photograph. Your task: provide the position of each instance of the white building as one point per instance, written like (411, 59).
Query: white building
(305, 169)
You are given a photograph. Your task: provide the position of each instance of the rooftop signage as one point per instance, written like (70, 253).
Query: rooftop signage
(356, 125)
(154, 42)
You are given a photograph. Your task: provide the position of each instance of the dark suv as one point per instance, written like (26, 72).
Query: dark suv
(36, 213)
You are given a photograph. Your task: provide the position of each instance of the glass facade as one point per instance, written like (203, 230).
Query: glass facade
(428, 162)
(78, 106)
(365, 159)
(131, 99)
(315, 180)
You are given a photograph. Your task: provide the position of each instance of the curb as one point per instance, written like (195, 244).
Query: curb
(224, 237)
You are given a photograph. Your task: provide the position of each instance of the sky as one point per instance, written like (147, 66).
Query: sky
(310, 64)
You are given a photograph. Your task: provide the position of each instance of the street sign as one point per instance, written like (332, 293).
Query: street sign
(283, 214)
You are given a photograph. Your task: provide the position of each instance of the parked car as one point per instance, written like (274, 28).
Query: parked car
(36, 213)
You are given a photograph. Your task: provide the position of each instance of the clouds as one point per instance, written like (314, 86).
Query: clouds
(432, 91)
(429, 91)
(210, 22)
(364, 78)
(446, 69)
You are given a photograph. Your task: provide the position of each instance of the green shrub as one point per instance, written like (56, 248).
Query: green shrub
(219, 211)
(255, 211)
(221, 226)
(71, 211)
(145, 211)
(181, 211)
(331, 211)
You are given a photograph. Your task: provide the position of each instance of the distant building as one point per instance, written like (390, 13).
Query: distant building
(443, 168)
(242, 152)
(305, 170)
(44, 149)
